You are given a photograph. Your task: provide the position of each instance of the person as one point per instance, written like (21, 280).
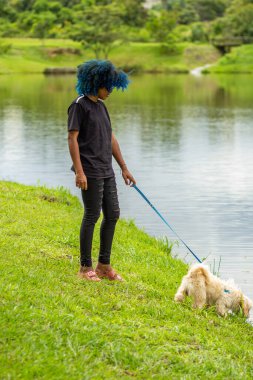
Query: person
(92, 145)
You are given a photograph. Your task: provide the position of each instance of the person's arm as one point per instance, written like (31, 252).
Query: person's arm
(116, 152)
(81, 179)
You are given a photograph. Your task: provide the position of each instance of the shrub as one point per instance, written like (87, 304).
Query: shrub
(4, 47)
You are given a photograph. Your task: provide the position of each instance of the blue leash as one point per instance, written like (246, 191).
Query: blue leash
(165, 221)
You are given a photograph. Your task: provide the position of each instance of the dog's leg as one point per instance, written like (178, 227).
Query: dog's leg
(181, 292)
(246, 305)
(199, 297)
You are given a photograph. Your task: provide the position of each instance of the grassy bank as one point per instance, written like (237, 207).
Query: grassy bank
(33, 56)
(239, 60)
(56, 326)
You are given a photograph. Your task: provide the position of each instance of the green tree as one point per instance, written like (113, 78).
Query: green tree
(170, 5)
(24, 5)
(198, 33)
(209, 9)
(40, 6)
(236, 5)
(237, 22)
(134, 14)
(42, 23)
(8, 11)
(187, 15)
(99, 29)
(241, 22)
(161, 25)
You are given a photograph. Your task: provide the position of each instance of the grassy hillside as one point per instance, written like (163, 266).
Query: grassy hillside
(57, 326)
(239, 60)
(33, 56)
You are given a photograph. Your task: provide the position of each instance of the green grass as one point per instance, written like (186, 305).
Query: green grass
(57, 326)
(239, 60)
(32, 56)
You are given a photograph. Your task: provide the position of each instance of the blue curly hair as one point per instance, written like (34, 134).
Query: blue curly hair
(95, 74)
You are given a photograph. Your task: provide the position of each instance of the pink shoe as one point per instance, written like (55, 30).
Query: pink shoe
(106, 271)
(88, 273)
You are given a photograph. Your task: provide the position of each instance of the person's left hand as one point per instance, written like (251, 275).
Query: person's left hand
(128, 178)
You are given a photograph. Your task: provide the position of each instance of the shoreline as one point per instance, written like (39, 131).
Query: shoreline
(55, 56)
(30, 56)
(124, 329)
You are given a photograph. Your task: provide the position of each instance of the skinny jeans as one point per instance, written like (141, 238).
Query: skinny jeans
(100, 195)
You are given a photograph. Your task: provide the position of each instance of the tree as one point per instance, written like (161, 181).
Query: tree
(198, 33)
(236, 5)
(8, 12)
(241, 22)
(188, 15)
(99, 29)
(134, 14)
(209, 9)
(237, 22)
(40, 6)
(25, 5)
(42, 23)
(161, 25)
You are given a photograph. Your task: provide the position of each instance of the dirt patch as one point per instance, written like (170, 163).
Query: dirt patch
(54, 52)
(201, 55)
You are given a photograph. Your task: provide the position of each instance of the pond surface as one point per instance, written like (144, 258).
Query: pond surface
(187, 140)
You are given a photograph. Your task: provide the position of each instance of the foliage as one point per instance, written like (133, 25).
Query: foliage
(209, 9)
(30, 56)
(196, 10)
(239, 60)
(99, 29)
(8, 29)
(134, 14)
(58, 326)
(111, 22)
(170, 47)
(240, 23)
(188, 15)
(237, 21)
(199, 33)
(4, 47)
(161, 25)
(183, 32)
(42, 23)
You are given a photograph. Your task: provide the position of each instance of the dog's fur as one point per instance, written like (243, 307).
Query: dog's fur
(207, 289)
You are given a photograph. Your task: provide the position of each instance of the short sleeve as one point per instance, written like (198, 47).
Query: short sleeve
(75, 117)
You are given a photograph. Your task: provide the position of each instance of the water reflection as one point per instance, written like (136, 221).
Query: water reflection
(186, 139)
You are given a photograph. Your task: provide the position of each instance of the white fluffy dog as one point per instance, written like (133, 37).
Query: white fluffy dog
(207, 289)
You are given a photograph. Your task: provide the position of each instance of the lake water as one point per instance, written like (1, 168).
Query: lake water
(187, 140)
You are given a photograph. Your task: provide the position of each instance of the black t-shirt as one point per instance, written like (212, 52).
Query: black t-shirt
(92, 121)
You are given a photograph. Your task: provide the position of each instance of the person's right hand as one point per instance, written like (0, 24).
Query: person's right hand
(81, 181)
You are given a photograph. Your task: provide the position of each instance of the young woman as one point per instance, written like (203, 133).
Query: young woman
(92, 145)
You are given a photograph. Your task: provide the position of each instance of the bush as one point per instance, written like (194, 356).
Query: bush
(198, 33)
(135, 34)
(170, 47)
(4, 48)
(183, 33)
(8, 29)
(144, 35)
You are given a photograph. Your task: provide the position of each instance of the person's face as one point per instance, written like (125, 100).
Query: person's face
(103, 93)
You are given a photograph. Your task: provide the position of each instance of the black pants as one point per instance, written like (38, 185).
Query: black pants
(101, 194)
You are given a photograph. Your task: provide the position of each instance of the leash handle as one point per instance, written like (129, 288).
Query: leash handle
(165, 221)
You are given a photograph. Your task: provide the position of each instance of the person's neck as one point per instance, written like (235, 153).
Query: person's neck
(93, 98)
